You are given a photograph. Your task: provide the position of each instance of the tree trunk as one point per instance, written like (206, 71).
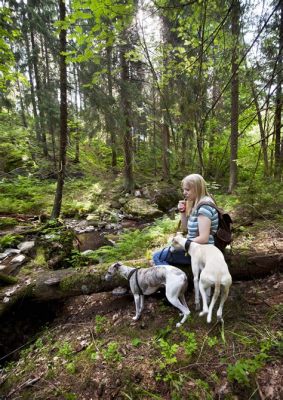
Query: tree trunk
(30, 74)
(63, 116)
(127, 137)
(23, 114)
(263, 141)
(213, 131)
(77, 124)
(234, 97)
(50, 112)
(184, 149)
(165, 152)
(154, 144)
(201, 94)
(38, 90)
(108, 117)
(69, 282)
(278, 151)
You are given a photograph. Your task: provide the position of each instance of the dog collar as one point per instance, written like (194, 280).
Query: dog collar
(187, 245)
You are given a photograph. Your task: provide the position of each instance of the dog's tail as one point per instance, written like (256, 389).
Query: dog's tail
(215, 296)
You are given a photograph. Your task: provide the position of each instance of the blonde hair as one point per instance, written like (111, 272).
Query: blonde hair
(198, 184)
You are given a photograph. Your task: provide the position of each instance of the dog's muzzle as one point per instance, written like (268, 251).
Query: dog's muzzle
(112, 270)
(108, 277)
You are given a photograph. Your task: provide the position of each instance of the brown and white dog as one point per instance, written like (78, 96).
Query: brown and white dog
(145, 281)
(209, 269)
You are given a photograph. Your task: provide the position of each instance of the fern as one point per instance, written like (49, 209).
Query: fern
(135, 243)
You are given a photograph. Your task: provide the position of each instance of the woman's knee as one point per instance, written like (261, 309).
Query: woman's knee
(159, 257)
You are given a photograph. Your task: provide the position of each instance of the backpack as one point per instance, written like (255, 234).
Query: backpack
(223, 235)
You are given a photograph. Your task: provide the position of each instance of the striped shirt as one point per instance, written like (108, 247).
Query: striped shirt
(207, 211)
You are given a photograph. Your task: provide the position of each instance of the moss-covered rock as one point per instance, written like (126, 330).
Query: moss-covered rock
(54, 245)
(142, 209)
(166, 198)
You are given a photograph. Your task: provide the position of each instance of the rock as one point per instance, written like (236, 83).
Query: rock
(25, 247)
(139, 207)
(89, 228)
(146, 193)
(86, 252)
(119, 291)
(9, 252)
(93, 218)
(115, 204)
(166, 198)
(115, 317)
(6, 269)
(52, 281)
(12, 290)
(112, 226)
(51, 236)
(6, 300)
(16, 261)
(85, 289)
(138, 193)
(122, 201)
(55, 246)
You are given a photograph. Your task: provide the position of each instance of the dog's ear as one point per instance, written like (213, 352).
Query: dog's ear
(117, 265)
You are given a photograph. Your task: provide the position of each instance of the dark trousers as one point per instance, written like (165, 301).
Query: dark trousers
(167, 257)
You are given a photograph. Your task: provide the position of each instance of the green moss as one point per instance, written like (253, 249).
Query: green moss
(7, 221)
(25, 195)
(7, 279)
(40, 259)
(82, 281)
(75, 282)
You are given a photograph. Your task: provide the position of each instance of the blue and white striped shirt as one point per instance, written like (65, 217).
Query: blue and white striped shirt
(207, 211)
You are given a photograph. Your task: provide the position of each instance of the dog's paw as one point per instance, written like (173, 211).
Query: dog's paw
(135, 318)
(178, 325)
(208, 319)
(202, 313)
(220, 319)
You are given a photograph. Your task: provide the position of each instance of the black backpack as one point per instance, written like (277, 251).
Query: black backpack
(223, 235)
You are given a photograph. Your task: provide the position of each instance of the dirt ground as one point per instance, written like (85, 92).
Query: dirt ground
(93, 350)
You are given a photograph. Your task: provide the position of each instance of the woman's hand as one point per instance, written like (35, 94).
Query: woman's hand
(182, 206)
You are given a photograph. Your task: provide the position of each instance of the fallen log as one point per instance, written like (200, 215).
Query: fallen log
(59, 284)
(248, 266)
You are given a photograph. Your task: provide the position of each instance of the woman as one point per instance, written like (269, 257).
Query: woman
(201, 221)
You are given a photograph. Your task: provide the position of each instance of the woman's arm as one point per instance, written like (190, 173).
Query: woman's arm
(204, 225)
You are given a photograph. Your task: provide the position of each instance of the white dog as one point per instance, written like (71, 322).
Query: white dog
(145, 281)
(209, 269)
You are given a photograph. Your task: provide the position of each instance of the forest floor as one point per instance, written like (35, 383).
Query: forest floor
(93, 350)
(88, 347)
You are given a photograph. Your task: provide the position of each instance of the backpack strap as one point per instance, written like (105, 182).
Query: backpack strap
(220, 211)
(210, 204)
(207, 203)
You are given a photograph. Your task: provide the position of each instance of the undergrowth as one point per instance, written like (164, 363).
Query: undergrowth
(136, 244)
(178, 359)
